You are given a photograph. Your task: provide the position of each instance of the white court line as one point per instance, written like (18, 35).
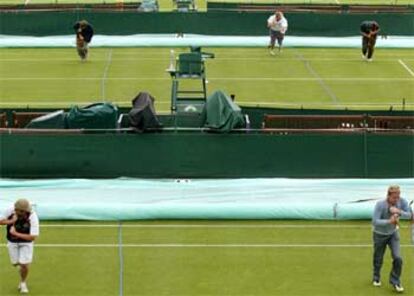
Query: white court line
(121, 260)
(230, 226)
(82, 78)
(105, 74)
(53, 104)
(321, 81)
(166, 59)
(353, 79)
(253, 103)
(406, 67)
(202, 245)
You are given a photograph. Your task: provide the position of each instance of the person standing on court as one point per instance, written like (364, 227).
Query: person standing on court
(369, 32)
(84, 34)
(385, 233)
(277, 25)
(22, 229)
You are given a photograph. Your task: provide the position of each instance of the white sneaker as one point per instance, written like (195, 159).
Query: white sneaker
(272, 52)
(376, 283)
(23, 288)
(369, 60)
(364, 57)
(398, 288)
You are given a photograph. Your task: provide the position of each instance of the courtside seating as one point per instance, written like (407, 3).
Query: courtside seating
(21, 119)
(3, 120)
(314, 121)
(391, 122)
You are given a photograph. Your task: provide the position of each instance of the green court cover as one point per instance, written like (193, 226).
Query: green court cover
(221, 114)
(96, 116)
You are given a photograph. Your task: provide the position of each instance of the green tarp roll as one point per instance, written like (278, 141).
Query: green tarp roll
(130, 199)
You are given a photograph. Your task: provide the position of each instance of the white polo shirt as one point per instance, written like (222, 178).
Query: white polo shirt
(279, 26)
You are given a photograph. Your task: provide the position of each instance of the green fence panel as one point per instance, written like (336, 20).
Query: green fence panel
(204, 155)
(210, 23)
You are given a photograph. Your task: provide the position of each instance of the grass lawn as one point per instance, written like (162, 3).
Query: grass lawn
(206, 258)
(312, 78)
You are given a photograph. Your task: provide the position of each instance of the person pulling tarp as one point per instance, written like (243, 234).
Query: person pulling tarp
(84, 33)
(221, 114)
(142, 115)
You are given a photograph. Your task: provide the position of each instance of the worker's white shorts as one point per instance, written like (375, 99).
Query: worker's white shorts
(20, 253)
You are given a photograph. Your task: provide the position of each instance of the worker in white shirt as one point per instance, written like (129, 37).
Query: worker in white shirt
(22, 228)
(277, 25)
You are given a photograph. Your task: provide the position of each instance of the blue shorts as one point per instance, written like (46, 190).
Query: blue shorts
(276, 35)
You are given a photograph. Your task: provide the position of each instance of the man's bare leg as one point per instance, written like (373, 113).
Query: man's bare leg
(24, 271)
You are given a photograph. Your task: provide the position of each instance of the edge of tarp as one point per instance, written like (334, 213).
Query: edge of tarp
(171, 40)
(141, 199)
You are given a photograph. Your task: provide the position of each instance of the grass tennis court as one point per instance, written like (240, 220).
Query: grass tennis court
(367, 2)
(205, 258)
(312, 78)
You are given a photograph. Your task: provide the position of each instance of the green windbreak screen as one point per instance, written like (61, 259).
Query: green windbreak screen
(210, 23)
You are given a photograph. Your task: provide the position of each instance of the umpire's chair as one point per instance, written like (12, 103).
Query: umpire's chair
(189, 66)
(184, 5)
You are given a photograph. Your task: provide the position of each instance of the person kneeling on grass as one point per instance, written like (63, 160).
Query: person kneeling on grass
(369, 32)
(84, 34)
(385, 233)
(22, 229)
(277, 25)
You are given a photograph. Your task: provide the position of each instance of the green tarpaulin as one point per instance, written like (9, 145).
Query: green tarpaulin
(130, 199)
(96, 116)
(221, 114)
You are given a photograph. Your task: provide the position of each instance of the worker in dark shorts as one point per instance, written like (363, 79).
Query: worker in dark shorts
(84, 34)
(277, 25)
(369, 32)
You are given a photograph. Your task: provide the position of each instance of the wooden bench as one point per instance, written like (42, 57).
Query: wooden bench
(314, 121)
(391, 122)
(21, 119)
(3, 120)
